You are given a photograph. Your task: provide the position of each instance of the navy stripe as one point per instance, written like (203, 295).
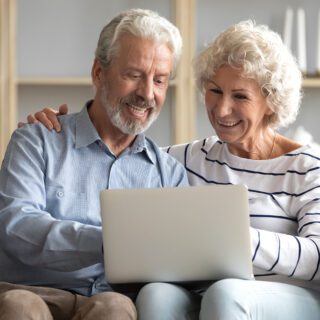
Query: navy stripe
(317, 268)
(206, 180)
(252, 190)
(271, 216)
(256, 172)
(303, 153)
(304, 172)
(284, 192)
(264, 275)
(309, 214)
(168, 150)
(277, 260)
(185, 154)
(312, 222)
(257, 247)
(299, 256)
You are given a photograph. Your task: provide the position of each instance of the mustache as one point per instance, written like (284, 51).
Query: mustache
(138, 102)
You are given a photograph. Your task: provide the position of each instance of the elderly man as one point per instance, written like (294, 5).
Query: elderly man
(50, 229)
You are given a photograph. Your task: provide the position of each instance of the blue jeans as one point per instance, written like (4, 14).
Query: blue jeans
(229, 299)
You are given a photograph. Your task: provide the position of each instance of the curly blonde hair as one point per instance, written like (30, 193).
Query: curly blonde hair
(263, 57)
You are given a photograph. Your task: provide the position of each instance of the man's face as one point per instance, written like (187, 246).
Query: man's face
(135, 83)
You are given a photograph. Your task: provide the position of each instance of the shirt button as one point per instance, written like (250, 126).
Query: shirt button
(60, 194)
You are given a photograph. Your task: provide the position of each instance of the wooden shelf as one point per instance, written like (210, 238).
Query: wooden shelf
(51, 81)
(311, 82)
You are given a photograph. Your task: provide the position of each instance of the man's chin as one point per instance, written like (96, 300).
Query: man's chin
(131, 129)
(137, 127)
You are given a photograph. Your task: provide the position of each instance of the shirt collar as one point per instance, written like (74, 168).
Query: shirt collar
(86, 134)
(141, 144)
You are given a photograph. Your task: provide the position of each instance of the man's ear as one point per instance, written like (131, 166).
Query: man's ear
(97, 73)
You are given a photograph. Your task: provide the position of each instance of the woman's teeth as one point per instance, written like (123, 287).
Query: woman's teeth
(228, 124)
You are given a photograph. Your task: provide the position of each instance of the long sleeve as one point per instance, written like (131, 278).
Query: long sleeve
(28, 232)
(295, 255)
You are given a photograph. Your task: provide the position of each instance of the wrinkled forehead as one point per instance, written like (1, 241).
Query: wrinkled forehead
(143, 52)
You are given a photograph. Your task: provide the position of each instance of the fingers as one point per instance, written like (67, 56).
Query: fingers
(31, 119)
(63, 109)
(48, 117)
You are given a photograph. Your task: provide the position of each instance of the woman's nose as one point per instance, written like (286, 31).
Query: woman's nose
(223, 107)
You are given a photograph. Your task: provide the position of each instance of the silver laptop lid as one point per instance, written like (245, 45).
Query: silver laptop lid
(176, 234)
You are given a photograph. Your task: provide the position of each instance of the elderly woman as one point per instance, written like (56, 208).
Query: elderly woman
(251, 86)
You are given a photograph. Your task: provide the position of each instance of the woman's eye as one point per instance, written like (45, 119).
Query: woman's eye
(241, 96)
(216, 91)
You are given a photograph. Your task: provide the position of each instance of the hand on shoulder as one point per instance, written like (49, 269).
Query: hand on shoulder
(48, 117)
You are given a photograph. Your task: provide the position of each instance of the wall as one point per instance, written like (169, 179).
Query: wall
(47, 46)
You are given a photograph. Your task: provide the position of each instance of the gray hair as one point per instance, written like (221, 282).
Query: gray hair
(263, 57)
(140, 23)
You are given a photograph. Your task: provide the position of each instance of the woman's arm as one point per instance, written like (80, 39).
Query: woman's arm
(48, 117)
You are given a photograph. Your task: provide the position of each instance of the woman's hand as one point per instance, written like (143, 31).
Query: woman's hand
(48, 117)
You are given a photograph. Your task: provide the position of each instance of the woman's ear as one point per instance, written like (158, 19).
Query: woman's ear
(269, 110)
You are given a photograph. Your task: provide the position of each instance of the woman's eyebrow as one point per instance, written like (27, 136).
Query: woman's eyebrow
(211, 81)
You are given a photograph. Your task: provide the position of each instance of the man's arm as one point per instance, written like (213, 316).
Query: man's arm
(29, 233)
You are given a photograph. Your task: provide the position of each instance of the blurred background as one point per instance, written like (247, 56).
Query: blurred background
(47, 49)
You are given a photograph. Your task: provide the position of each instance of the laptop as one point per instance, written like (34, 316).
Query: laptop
(186, 234)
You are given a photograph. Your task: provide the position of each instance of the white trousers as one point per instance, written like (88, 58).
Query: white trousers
(229, 299)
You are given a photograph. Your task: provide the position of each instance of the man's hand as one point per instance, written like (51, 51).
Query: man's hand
(48, 117)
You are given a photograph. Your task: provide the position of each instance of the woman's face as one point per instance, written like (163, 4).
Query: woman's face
(236, 107)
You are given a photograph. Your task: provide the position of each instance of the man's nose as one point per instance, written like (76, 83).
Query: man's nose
(146, 89)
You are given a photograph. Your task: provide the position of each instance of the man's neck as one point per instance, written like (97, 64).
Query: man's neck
(116, 140)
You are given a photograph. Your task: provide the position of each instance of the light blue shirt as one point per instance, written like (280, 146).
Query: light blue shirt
(50, 183)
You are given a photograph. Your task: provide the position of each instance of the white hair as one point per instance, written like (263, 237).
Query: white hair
(263, 57)
(140, 23)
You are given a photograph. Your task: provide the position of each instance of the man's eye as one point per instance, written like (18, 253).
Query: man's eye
(161, 81)
(134, 76)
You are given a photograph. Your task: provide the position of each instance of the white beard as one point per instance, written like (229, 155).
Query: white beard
(127, 126)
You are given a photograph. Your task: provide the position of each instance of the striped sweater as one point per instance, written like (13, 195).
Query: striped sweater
(284, 201)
